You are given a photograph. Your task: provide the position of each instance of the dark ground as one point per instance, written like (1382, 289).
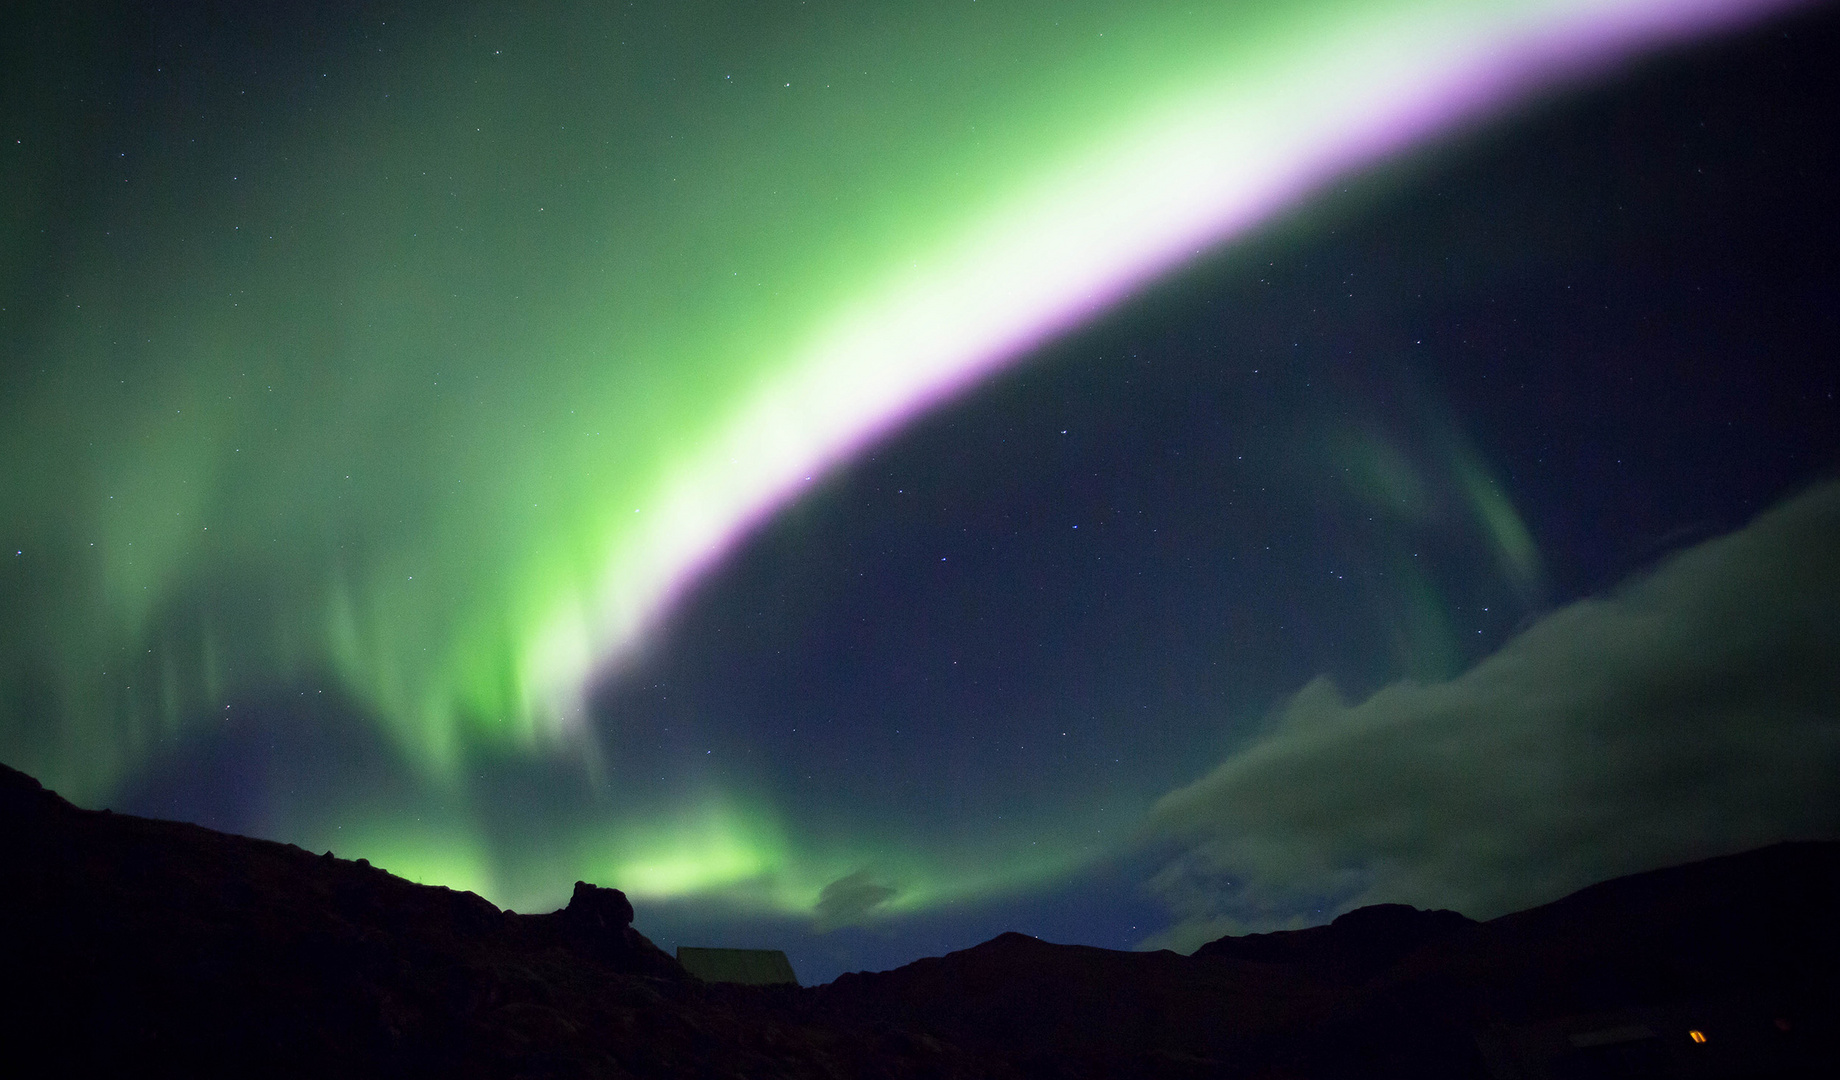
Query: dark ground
(142, 947)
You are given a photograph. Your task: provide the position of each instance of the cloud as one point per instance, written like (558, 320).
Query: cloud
(1691, 712)
(849, 900)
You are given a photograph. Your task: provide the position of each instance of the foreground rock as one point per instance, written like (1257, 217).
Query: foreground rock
(140, 947)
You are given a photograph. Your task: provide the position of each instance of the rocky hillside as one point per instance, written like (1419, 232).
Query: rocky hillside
(141, 947)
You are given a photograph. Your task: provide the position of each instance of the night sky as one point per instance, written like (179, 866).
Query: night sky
(863, 477)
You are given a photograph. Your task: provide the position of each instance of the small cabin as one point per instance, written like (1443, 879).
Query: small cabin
(749, 967)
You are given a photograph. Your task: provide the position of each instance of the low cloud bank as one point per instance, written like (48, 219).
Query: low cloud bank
(1694, 711)
(849, 900)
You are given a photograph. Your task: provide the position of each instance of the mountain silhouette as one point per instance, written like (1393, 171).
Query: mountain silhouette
(153, 948)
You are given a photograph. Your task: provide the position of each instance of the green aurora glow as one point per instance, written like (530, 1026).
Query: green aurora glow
(418, 376)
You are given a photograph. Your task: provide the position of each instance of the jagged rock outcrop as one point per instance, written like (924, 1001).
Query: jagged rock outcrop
(597, 925)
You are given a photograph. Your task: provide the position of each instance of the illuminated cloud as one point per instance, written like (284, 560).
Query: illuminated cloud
(850, 899)
(1694, 711)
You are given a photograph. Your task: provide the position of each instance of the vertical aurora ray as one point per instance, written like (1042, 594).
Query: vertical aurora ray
(445, 385)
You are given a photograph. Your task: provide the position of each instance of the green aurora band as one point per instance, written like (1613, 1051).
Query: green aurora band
(438, 384)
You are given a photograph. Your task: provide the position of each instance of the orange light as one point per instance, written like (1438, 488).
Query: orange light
(1697, 1036)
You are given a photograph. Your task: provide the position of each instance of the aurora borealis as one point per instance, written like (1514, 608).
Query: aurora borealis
(824, 468)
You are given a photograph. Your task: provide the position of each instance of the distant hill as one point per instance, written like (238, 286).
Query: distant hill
(140, 947)
(1743, 949)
